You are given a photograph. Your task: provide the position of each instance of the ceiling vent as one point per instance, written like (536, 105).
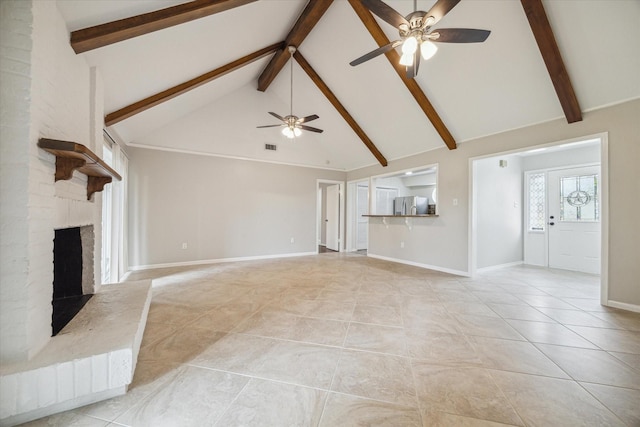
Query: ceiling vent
(272, 147)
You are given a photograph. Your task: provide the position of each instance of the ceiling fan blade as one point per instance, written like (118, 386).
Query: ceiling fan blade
(309, 128)
(441, 8)
(379, 51)
(277, 116)
(308, 118)
(385, 12)
(461, 35)
(270, 126)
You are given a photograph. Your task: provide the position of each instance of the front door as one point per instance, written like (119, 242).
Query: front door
(574, 219)
(332, 217)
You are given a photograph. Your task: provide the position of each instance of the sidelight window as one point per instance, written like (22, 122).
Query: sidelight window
(537, 199)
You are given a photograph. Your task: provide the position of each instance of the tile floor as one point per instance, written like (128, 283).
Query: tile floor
(346, 340)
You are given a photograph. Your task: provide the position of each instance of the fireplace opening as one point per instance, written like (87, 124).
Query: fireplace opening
(70, 271)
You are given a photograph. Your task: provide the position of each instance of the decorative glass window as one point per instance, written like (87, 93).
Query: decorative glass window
(579, 198)
(537, 197)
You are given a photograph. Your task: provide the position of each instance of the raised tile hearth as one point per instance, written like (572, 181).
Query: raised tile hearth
(93, 358)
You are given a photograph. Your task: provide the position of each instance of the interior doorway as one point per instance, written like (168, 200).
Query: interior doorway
(541, 239)
(330, 216)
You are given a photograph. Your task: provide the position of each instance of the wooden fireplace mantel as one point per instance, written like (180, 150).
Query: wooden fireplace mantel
(71, 156)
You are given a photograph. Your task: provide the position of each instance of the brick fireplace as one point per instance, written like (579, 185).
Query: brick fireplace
(49, 91)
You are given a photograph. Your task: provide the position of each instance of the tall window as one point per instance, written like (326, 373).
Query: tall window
(114, 198)
(107, 208)
(537, 199)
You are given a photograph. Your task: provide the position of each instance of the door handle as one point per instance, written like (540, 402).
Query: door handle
(552, 223)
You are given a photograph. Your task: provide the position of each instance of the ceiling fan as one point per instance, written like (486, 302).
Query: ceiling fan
(292, 124)
(416, 34)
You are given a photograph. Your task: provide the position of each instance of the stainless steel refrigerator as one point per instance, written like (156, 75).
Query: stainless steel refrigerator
(410, 205)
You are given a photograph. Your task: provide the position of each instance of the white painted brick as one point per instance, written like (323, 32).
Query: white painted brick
(82, 377)
(120, 368)
(99, 372)
(51, 92)
(65, 382)
(27, 396)
(47, 386)
(8, 395)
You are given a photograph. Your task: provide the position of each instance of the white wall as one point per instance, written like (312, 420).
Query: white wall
(222, 208)
(499, 204)
(443, 241)
(558, 159)
(47, 91)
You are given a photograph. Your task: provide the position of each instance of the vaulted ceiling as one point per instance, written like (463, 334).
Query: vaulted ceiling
(200, 76)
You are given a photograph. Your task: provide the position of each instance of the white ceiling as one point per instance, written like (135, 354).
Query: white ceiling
(477, 89)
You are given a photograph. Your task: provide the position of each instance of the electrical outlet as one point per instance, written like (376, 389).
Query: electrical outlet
(292, 240)
(184, 245)
(455, 202)
(401, 245)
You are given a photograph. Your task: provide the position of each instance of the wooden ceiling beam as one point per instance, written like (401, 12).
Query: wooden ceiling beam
(152, 101)
(339, 107)
(380, 37)
(303, 26)
(543, 34)
(123, 29)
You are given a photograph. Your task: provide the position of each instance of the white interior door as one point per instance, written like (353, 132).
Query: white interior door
(332, 217)
(574, 219)
(362, 208)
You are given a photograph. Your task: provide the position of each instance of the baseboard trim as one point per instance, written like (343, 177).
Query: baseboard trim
(217, 261)
(499, 266)
(624, 306)
(417, 264)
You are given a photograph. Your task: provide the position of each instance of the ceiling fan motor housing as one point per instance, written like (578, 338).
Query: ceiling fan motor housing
(419, 22)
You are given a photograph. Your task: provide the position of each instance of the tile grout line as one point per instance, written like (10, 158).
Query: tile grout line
(232, 402)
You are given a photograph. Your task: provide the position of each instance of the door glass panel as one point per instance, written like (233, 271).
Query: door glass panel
(579, 198)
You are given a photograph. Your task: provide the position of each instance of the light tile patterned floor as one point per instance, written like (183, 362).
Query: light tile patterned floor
(346, 340)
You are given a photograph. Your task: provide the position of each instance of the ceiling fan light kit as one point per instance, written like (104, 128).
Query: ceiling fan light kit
(293, 125)
(415, 32)
(291, 132)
